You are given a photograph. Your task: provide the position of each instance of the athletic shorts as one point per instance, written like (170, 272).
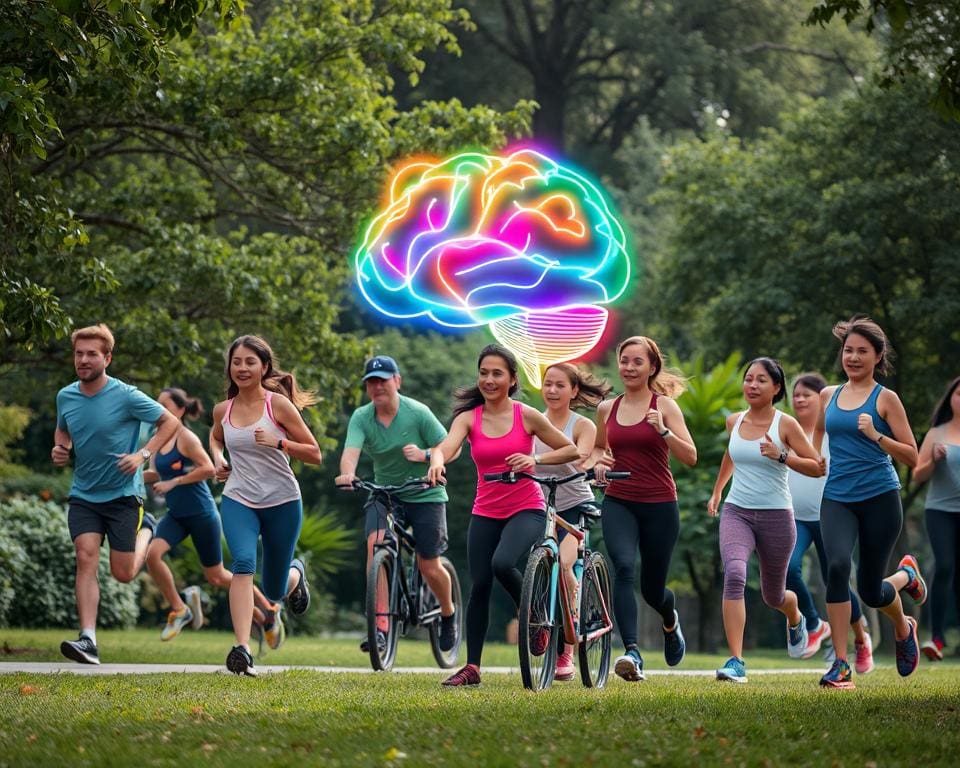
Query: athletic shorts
(428, 519)
(572, 516)
(204, 529)
(118, 519)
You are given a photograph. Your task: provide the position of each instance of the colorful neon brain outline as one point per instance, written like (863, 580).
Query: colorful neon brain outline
(519, 242)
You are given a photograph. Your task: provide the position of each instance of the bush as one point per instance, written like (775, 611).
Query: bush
(47, 487)
(42, 580)
(13, 559)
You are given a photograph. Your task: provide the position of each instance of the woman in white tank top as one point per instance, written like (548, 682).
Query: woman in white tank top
(260, 426)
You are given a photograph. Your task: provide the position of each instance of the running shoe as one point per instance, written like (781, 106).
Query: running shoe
(734, 670)
(256, 635)
(797, 639)
(838, 676)
(933, 649)
(630, 666)
(449, 632)
(299, 600)
(381, 643)
(240, 662)
(275, 633)
(674, 646)
(192, 597)
(908, 650)
(816, 637)
(565, 669)
(864, 660)
(916, 587)
(83, 650)
(539, 640)
(176, 620)
(468, 675)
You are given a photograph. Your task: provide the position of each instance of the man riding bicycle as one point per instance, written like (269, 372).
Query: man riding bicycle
(397, 433)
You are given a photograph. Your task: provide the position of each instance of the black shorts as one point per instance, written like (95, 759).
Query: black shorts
(572, 516)
(118, 519)
(428, 519)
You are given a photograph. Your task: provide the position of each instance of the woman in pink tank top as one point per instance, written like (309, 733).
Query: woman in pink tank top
(507, 519)
(637, 432)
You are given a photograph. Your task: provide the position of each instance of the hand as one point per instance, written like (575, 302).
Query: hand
(128, 463)
(164, 486)
(521, 462)
(345, 481)
(655, 419)
(262, 438)
(768, 448)
(413, 452)
(600, 472)
(822, 463)
(436, 474)
(865, 425)
(939, 451)
(60, 455)
(221, 471)
(713, 505)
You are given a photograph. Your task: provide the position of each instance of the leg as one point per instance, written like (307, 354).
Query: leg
(775, 540)
(737, 542)
(161, 575)
(520, 533)
(941, 529)
(483, 535)
(438, 580)
(429, 520)
(280, 529)
(880, 524)
(795, 582)
(375, 531)
(658, 527)
(128, 537)
(839, 529)
(87, 546)
(241, 527)
(621, 535)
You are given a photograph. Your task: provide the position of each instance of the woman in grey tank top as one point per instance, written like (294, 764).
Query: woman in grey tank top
(939, 463)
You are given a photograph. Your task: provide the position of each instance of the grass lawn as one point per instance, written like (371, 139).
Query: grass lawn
(300, 718)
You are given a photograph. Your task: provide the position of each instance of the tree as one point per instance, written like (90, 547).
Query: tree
(922, 37)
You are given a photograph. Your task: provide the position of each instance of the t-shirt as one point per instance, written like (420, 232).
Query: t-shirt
(413, 423)
(101, 426)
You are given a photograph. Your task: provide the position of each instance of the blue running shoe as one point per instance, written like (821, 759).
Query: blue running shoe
(797, 638)
(630, 666)
(908, 650)
(674, 646)
(734, 670)
(838, 676)
(299, 600)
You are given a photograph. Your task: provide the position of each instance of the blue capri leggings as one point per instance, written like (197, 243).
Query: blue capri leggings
(278, 526)
(204, 529)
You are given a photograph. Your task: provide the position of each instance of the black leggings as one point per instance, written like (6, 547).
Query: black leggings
(876, 522)
(653, 529)
(493, 548)
(944, 531)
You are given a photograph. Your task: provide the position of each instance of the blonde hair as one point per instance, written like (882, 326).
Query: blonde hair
(99, 332)
(663, 381)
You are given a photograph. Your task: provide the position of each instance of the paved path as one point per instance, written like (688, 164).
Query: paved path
(56, 667)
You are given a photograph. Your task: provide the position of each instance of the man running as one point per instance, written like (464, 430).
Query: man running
(99, 418)
(397, 432)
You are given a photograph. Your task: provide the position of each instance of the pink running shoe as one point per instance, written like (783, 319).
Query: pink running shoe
(917, 587)
(933, 649)
(815, 638)
(565, 669)
(864, 662)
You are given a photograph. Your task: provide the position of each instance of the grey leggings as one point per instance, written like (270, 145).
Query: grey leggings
(768, 531)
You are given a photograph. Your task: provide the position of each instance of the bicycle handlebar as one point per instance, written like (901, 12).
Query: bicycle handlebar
(366, 485)
(511, 476)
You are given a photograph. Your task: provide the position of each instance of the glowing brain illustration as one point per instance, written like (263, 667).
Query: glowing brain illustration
(517, 242)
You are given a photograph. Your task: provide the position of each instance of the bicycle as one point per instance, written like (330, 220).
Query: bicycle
(397, 595)
(589, 625)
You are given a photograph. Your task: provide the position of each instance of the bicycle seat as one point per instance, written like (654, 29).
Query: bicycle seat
(589, 510)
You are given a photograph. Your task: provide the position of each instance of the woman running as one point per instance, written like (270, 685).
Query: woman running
(641, 428)
(868, 428)
(261, 428)
(807, 493)
(757, 516)
(507, 520)
(940, 463)
(566, 387)
(179, 471)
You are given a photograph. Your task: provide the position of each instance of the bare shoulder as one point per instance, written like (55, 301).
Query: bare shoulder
(218, 410)
(603, 410)
(827, 392)
(732, 419)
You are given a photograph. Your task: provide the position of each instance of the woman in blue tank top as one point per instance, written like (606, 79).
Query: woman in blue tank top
(940, 464)
(868, 429)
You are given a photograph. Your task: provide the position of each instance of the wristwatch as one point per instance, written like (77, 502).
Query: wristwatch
(426, 454)
(145, 452)
(783, 457)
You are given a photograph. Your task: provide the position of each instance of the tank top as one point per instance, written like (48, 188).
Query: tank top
(494, 499)
(183, 500)
(758, 482)
(571, 494)
(944, 491)
(806, 491)
(639, 450)
(859, 468)
(260, 476)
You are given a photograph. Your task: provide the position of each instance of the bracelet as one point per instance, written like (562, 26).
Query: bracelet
(280, 444)
(880, 438)
(665, 434)
(536, 458)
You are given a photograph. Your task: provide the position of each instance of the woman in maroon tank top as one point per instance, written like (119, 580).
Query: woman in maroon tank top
(637, 432)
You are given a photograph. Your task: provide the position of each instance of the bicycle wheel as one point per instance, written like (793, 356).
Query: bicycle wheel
(595, 617)
(383, 609)
(445, 659)
(538, 646)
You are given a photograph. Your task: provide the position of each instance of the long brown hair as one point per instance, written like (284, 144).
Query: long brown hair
(944, 411)
(468, 398)
(590, 390)
(663, 381)
(192, 407)
(273, 379)
(873, 333)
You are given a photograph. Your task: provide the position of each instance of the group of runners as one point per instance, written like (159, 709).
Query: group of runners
(824, 477)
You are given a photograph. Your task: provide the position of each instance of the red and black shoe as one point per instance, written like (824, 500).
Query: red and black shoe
(468, 675)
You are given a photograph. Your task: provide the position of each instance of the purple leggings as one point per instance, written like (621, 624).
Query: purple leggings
(772, 534)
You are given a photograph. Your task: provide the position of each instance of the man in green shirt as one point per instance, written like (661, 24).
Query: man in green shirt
(397, 432)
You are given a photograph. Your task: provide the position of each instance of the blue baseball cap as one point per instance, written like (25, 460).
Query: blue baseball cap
(380, 367)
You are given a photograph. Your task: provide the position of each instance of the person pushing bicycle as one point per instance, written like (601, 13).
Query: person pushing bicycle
(397, 432)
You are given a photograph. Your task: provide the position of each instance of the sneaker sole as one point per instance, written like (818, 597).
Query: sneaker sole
(627, 670)
(731, 678)
(301, 592)
(840, 686)
(238, 665)
(565, 677)
(75, 655)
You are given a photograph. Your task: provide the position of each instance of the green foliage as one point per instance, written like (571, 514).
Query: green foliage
(43, 582)
(13, 421)
(54, 487)
(13, 558)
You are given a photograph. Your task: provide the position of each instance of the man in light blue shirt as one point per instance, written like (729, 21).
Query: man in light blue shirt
(99, 418)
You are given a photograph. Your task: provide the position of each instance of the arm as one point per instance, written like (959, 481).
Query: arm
(584, 435)
(902, 446)
(150, 475)
(167, 425)
(300, 442)
(62, 443)
(348, 468)
(820, 430)
(449, 446)
(221, 466)
(724, 475)
(537, 424)
(190, 446)
(803, 459)
(678, 439)
(931, 451)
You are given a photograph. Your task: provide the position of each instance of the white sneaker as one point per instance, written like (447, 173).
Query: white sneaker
(191, 596)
